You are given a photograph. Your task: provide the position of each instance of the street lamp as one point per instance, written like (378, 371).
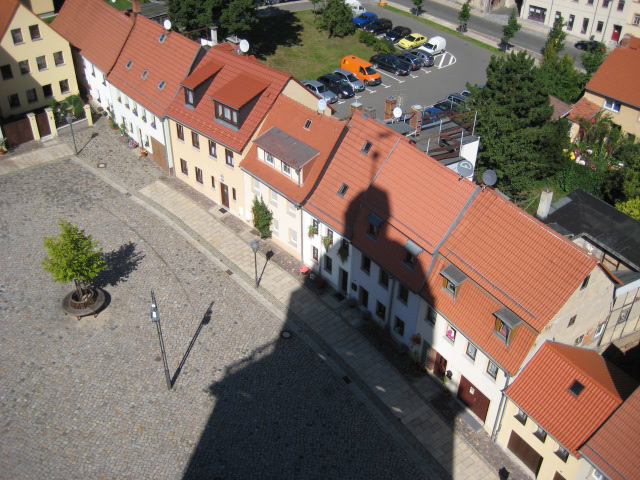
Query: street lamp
(254, 246)
(155, 318)
(70, 122)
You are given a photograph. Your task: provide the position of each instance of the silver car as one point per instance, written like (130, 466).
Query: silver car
(321, 91)
(357, 85)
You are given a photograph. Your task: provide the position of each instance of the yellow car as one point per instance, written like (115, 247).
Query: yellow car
(412, 41)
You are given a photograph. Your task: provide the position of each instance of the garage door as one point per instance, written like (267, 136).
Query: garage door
(159, 154)
(473, 398)
(524, 452)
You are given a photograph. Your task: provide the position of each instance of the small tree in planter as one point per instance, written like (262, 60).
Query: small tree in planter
(262, 217)
(343, 253)
(327, 242)
(74, 257)
(313, 230)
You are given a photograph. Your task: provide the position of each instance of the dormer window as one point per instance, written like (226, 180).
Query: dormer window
(286, 169)
(188, 96)
(268, 158)
(367, 147)
(506, 324)
(129, 64)
(412, 250)
(452, 279)
(374, 224)
(307, 125)
(162, 84)
(226, 113)
(145, 74)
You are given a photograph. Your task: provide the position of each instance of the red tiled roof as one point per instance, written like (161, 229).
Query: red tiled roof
(614, 448)
(618, 76)
(202, 117)
(583, 108)
(201, 74)
(240, 90)
(542, 391)
(527, 266)
(472, 312)
(560, 109)
(95, 28)
(168, 61)
(8, 9)
(351, 167)
(290, 117)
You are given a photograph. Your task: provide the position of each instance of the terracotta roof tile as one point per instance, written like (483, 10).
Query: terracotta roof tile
(204, 72)
(8, 9)
(618, 75)
(168, 61)
(614, 448)
(95, 28)
(354, 168)
(583, 108)
(560, 109)
(290, 116)
(202, 117)
(542, 391)
(240, 90)
(527, 266)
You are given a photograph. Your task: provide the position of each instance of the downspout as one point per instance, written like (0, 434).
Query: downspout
(302, 235)
(391, 297)
(501, 408)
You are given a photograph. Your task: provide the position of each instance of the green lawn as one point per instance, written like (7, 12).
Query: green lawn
(120, 4)
(311, 53)
(49, 19)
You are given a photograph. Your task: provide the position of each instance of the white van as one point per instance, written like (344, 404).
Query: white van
(356, 7)
(435, 46)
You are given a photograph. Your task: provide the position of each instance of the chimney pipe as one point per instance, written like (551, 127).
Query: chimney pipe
(545, 203)
(214, 35)
(136, 6)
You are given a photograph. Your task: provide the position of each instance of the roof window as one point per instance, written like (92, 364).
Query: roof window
(343, 188)
(162, 38)
(411, 254)
(452, 279)
(576, 388)
(506, 324)
(129, 64)
(367, 147)
(375, 222)
(162, 84)
(145, 74)
(307, 126)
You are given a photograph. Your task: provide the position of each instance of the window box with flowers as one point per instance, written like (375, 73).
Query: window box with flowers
(127, 105)
(135, 111)
(313, 230)
(343, 253)
(327, 242)
(144, 118)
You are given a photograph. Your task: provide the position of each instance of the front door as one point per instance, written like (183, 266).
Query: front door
(473, 398)
(224, 191)
(344, 280)
(440, 367)
(615, 36)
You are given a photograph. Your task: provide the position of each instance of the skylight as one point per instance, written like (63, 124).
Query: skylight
(343, 188)
(145, 74)
(129, 64)
(307, 126)
(367, 147)
(162, 38)
(162, 84)
(576, 388)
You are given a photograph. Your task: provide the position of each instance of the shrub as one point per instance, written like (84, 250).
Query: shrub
(370, 40)
(262, 217)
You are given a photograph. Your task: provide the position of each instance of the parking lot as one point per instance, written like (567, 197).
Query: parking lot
(462, 62)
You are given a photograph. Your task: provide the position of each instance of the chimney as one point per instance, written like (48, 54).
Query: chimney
(370, 112)
(355, 107)
(136, 6)
(389, 104)
(545, 203)
(416, 119)
(214, 35)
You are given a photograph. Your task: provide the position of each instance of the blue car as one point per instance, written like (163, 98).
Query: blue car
(365, 19)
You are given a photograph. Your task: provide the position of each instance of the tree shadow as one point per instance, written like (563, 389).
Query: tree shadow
(120, 264)
(278, 28)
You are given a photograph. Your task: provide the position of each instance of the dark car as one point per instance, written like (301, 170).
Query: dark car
(427, 58)
(413, 60)
(379, 26)
(365, 19)
(397, 33)
(590, 45)
(337, 84)
(390, 63)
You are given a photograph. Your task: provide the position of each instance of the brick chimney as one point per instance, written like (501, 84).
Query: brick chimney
(389, 104)
(416, 119)
(545, 204)
(370, 112)
(136, 6)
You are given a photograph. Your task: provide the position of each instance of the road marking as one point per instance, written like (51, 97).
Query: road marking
(413, 76)
(452, 60)
(391, 76)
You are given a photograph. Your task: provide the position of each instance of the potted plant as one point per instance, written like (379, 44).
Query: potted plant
(327, 242)
(75, 256)
(144, 153)
(343, 253)
(123, 129)
(313, 230)
(3, 145)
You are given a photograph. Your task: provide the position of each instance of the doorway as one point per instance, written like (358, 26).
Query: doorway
(473, 398)
(440, 367)
(344, 281)
(224, 192)
(615, 36)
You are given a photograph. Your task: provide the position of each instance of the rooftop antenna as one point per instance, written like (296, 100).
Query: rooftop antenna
(489, 178)
(167, 24)
(244, 46)
(322, 104)
(397, 113)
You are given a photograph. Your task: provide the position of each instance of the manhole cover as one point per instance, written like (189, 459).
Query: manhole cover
(102, 165)
(286, 334)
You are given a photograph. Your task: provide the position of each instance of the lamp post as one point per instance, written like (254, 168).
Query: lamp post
(155, 318)
(70, 122)
(254, 246)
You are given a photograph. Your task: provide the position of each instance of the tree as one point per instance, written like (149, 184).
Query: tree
(336, 18)
(418, 4)
(194, 15)
(510, 29)
(73, 256)
(465, 12)
(555, 40)
(631, 207)
(592, 59)
(561, 79)
(262, 216)
(240, 17)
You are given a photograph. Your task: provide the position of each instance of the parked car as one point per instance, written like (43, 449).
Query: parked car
(380, 26)
(365, 19)
(412, 41)
(356, 84)
(390, 63)
(413, 60)
(427, 58)
(457, 99)
(397, 33)
(465, 93)
(435, 46)
(321, 90)
(590, 45)
(362, 69)
(356, 7)
(337, 84)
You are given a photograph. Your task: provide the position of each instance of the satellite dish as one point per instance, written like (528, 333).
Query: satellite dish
(465, 168)
(322, 104)
(244, 46)
(489, 178)
(397, 112)
(167, 24)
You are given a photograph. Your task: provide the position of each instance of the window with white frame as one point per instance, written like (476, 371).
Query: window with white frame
(293, 237)
(286, 169)
(492, 369)
(451, 333)
(471, 351)
(268, 158)
(212, 149)
(612, 105)
(276, 226)
(273, 198)
(292, 209)
(228, 157)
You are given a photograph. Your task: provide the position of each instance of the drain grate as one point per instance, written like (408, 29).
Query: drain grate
(229, 272)
(346, 379)
(223, 210)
